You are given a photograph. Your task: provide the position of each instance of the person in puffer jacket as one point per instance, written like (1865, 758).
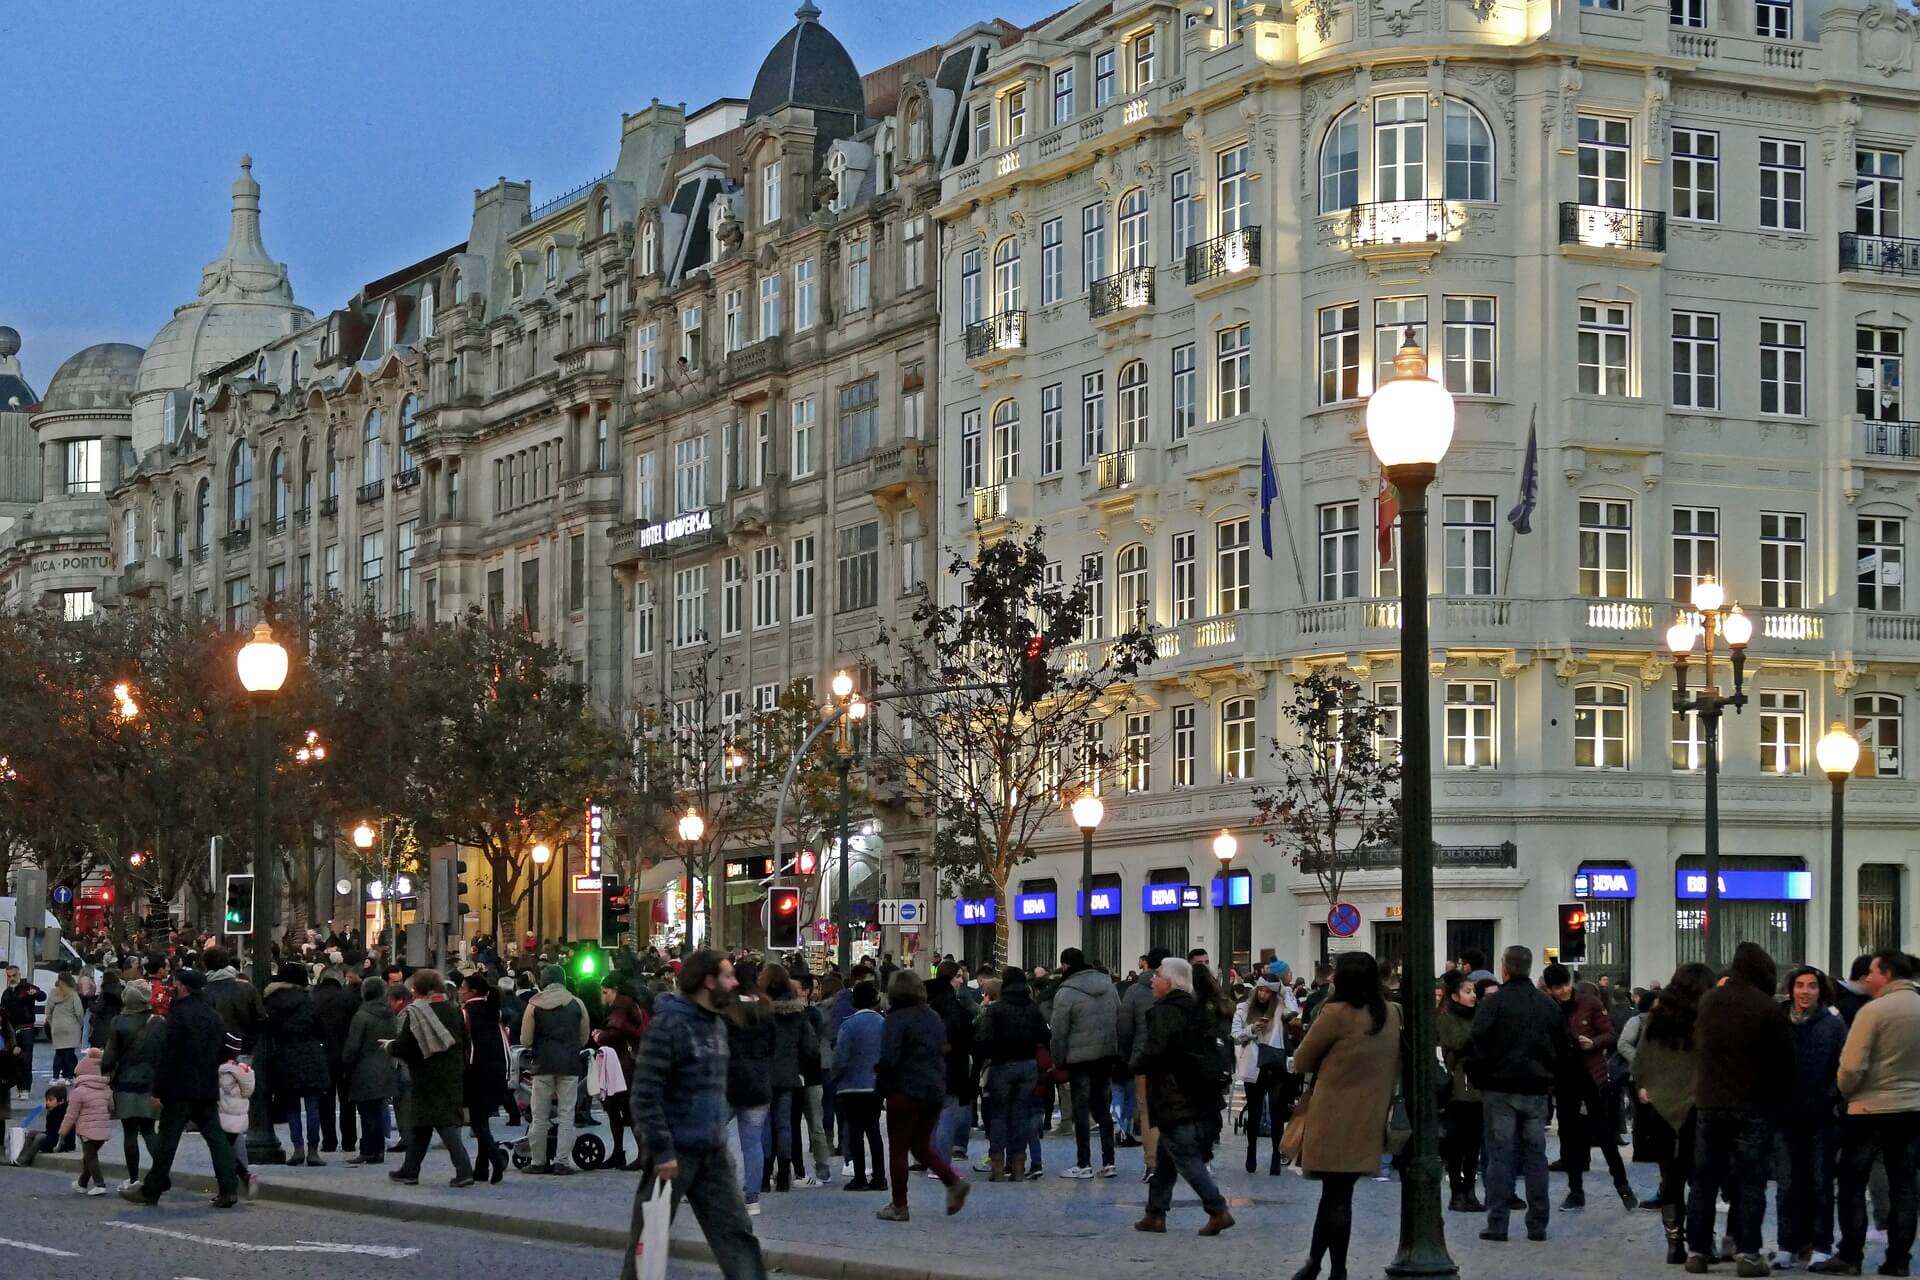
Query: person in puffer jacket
(89, 1115)
(236, 1097)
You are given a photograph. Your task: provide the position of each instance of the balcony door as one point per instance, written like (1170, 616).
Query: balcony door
(1400, 148)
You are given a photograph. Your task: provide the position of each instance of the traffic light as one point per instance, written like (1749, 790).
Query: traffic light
(239, 917)
(783, 918)
(616, 905)
(807, 863)
(461, 907)
(1573, 933)
(1036, 677)
(588, 964)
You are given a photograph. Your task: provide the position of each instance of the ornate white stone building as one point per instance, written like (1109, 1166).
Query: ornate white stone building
(1669, 236)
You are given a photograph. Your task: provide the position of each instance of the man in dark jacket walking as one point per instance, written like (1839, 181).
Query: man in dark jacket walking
(333, 1008)
(1177, 1063)
(1743, 1072)
(186, 1085)
(1134, 1007)
(1513, 1055)
(1584, 1122)
(235, 999)
(679, 1103)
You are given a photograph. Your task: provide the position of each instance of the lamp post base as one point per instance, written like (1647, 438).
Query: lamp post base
(263, 1141)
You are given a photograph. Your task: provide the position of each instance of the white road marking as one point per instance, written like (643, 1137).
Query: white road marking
(304, 1246)
(31, 1247)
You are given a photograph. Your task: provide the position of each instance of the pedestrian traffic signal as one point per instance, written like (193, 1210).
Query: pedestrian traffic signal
(588, 964)
(783, 918)
(239, 918)
(1573, 933)
(616, 906)
(1036, 677)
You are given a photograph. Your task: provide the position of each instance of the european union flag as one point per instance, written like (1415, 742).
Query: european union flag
(1269, 490)
(1521, 517)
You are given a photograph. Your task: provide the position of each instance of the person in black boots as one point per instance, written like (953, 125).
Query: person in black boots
(1460, 1146)
(486, 1085)
(186, 1083)
(1260, 1034)
(626, 1024)
(334, 1004)
(1582, 1079)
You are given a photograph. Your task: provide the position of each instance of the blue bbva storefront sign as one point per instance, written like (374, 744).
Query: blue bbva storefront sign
(1233, 891)
(1163, 897)
(1106, 902)
(1748, 886)
(1035, 906)
(1606, 882)
(968, 911)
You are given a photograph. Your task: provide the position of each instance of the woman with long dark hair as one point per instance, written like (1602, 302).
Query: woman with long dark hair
(1353, 1054)
(1260, 1032)
(1216, 1020)
(1460, 1143)
(1663, 1074)
(485, 1082)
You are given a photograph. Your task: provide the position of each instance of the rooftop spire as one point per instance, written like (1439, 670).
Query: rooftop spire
(245, 270)
(807, 12)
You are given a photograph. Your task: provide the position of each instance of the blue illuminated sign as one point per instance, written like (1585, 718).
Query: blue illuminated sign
(1237, 890)
(1608, 882)
(1106, 902)
(1035, 906)
(1748, 886)
(968, 911)
(1162, 897)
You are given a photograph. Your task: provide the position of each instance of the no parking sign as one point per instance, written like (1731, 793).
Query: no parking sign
(1344, 920)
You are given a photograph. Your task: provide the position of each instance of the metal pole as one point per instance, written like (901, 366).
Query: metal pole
(1086, 892)
(1836, 888)
(263, 1144)
(1423, 1237)
(842, 913)
(1709, 704)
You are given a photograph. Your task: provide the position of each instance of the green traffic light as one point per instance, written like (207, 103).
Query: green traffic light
(587, 964)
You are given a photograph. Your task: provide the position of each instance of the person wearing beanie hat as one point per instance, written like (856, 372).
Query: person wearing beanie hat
(132, 1054)
(187, 1085)
(554, 1027)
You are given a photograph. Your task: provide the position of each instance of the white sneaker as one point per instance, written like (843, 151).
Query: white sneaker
(1079, 1173)
(79, 1186)
(1782, 1261)
(1108, 1171)
(96, 1190)
(846, 1169)
(810, 1182)
(983, 1165)
(128, 1185)
(933, 1175)
(753, 1209)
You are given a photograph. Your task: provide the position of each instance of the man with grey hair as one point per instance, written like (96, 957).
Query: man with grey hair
(1177, 1065)
(1512, 1054)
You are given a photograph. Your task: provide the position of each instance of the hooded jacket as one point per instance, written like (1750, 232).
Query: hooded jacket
(134, 1044)
(1744, 1045)
(749, 1053)
(794, 1044)
(190, 1057)
(913, 1054)
(89, 1101)
(555, 1028)
(64, 1015)
(1176, 1059)
(368, 1066)
(1880, 1065)
(856, 1054)
(1134, 1007)
(679, 1091)
(1011, 1028)
(236, 1089)
(237, 1002)
(1086, 1019)
(334, 1004)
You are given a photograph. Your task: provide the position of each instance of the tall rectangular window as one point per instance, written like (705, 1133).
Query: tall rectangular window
(1386, 743)
(1783, 730)
(803, 295)
(1185, 578)
(1604, 151)
(1469, 534)
(766, 588)
(646, 357)
(1876, 192)
(1093, 244)
(1783, 184)
(576, 567)
(1605, 345)
(859, 278)
(1773, 19)
(1783, 368)
(1052, 430)
(982, 129)
(859, 420)
(1470, 714)
(1232, 198)
(1016, 114)
(770, 306)
(1783, 559)
(1606, 548)
(1469, 337)
(1186, 391)
(1400, 148)
(1696, 360)
(1138, 758)
(1142, 46)
(733, 595)
(972, 288)
(1104, 81)
(690, 475)
(1696, 175)
(972, 454)
(1696, 548)
(913, 253)
(857, 566)
(733, 311)
(690, 331)
(1063, 95)
(1093, 416)
(1881, 570)
(1185, 227)
(1877, 723)
(83, 468)
(1233, 566)
(770, 192)
(1237, 739)
(1053, 261)
(803, 577)
(1339, 529)
(804, 444)
(1339, 353)
(1185, 740)
(1093, 573)
(1600, 726)
(1878, 381)
(1233, 371)
(1687, 13)
(1392, 318)
(644, 619)
(689, 607)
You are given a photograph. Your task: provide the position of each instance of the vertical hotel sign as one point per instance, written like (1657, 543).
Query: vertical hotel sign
(593, 839)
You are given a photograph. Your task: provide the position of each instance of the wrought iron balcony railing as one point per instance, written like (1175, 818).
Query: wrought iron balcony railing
(1003, 331)
(1226, 255)
(1892, 439)
(1116, 470)
(1127, 290)
(1389, 222)
(1890, 255)
(1601, 227)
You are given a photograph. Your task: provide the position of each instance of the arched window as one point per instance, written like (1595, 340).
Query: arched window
(459, 288)
(519, 278)
(1135, 250)
(239, 486)
(156, 524)
(202, 510)
(373, 452)
(277, 493)
(1133, 404)
(553, 263)
(1006, 275)
(293, 370)
(333, 469)
(1340, 163)
(606, 217)
(1469, 153)
(1006, 441)
(409, 428)
(1600, 726)
(1130, 587)
(649, 250)
(1876, 722)
(306, 477)
(260, 369)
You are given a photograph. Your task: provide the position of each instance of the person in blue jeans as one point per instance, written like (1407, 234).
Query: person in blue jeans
(1512, 1055)
(750, 1077)
(1009, 1036)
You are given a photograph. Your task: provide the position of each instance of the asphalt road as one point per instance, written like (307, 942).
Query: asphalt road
(50, 1232)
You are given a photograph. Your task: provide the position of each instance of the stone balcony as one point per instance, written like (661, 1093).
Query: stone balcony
(898, 473)
(594, 362)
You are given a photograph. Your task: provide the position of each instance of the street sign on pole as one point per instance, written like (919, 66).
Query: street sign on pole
(904, 913)
(1344, 920)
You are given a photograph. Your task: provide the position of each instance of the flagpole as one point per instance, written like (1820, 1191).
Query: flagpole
(1513, 517)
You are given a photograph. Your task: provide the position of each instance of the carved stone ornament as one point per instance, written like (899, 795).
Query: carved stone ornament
(1398, 15)
(730, 233)
(1482, 10)
(1886, 38)
(1322, 12)
(1653, 670)
(1566, 667)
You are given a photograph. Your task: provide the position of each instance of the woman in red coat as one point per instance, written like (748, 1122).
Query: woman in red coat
(626, 1024)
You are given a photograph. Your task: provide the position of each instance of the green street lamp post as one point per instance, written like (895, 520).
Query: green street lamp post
(262, 665)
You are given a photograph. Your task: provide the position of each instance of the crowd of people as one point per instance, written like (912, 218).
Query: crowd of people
(739, 1076)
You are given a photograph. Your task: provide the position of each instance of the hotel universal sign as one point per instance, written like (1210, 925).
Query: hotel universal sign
(679, 527)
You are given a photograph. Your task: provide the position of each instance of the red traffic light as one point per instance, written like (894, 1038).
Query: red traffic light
(807, 863)
(786, 902)
(1577, 918)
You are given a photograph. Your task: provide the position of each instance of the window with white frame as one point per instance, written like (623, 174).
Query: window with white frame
(857, 566)
(1469, 157)
(1783, 184)
(804, 568)
(1687, 13)
(1468, 344)
(1469, 713)
(1696, 175)
(1400, 147)
(1105, 83)
(77, 606)
(1783, 559)
(1696, 548)
(972, 294)
(1138, 760)
(1881, 567)
(645, 483)
(971, 454)
(913, 400)
(803, 295)
(1052, 430)
(732, 716)
(1603, 151)
(1093, 244)
(1185, 743)
(1141, 44)
(770, 306)
(1006, 441)
(733, 329)
(983, 129)
(1392, 317)
(1339, 534)
(689, 606)
(1878, 377)
(1053, 261)
(83, 466)
(1136, 249)
(733, 595)
(1093, 416)
(1773, 19)
(1237, 739)
(1233, 197)
(913, 252)
(1133, 407)
(1233, 371)
(644, 620)
(1340, 163)
(1016, 114)
(602, 319)
(649, 250)
(1186, 392)
(1876, 191)
(1606, 548)
(1006, 275)
(1386, 741)
(858, 276)
(1605, 346)
(1687, 751)
(1185, 578)
(1468, 532)
(1600, 726)
(804, 451)
(1131, 607)
(1093, 576)
(1783, 730)
(1696, 360)
(1783, 368)
(1063, 95)
(1339, 353)
(1877, 722)
(1185, 226)
(859, 419)
(1232, 566)
(690, 475)
(690, 331)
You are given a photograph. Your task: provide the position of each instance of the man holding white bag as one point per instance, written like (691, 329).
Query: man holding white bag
(679, 1101)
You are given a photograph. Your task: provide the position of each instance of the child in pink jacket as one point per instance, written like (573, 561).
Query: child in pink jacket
(90, 1115)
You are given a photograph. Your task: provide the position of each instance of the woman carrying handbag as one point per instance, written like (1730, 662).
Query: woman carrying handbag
(1260, 1039)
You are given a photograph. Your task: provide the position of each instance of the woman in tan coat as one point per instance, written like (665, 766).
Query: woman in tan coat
(1353, 1053)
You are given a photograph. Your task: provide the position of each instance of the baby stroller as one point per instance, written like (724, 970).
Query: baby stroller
(589, 1149)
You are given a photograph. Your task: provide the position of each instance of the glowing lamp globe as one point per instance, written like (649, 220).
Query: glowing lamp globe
(1680, 638)
(1410, 415)
(1225, 846)
(857, 710)
(1087, 811)
(692, 826)
(1709, 596)
(540, 854)
(1838, 751)
(262, 662)
(842, 684)
(363, 837)
(1738, 628)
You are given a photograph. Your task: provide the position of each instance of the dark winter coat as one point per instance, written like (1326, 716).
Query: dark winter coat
(749, 1054)
(486, 1080)
(1135, 1003)
(439, 1082)
(1519, 1038)
(189, 1069)
(106, 1007)
(295, 1056)
(913, 1057)
(1744, 1045)
(1086, 1019)
(1586, 1016)
(237, 1002)
(1817, 1042)
(334, 1004)
(794, 1044)
(1011, 1028)
(1177, 1060)
(681, 1079)
(131, 1060)
(958, 1022)
(369, 1068)
(555, 1027)
(626, 1025)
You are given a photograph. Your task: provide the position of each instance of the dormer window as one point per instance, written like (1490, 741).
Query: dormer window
(1142, 59)
(606, 217)
(169, 425)
(426, 313)
(649, 250)
(982, 130)
(293, 370)
(517, 277)
(716, 219)
(770, 193)
(837, 170)
(1103, 78)
(1016, 114)
(553, 263)
(459, 289)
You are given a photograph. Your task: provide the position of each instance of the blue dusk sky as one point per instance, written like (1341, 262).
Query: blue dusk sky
(370, 123)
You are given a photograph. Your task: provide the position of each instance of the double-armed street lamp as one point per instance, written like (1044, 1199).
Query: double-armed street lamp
(1410, 426)
(1713, 619)
(1087, 813)
(262, 664)
(1838, 752)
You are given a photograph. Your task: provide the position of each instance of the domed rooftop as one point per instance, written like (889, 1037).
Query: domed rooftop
(808, 68)
(100, 377)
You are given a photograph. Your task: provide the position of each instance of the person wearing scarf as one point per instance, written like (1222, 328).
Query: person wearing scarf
(433, 1044)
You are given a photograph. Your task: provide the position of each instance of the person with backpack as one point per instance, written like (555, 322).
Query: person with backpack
(1178, 1061)
(555, 1028)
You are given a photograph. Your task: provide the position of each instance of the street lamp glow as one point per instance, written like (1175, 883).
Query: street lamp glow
(403, 885)
(1087, 811)
(1225, 846)
(540, 854)
(842, 684)
(736, 758)
(262, 662)
(692, 826)
(1680, 638)
(1838, 751)
(136, 858)
(376, 890)
(857, 710)
(1410, 415)
(1708, 595)
(363, 837)
(1737, 627)
(123, 692)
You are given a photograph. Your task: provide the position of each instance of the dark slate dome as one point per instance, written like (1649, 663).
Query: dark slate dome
(808, 68)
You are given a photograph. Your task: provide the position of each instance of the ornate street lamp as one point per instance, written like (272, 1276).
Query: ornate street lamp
(847, 751)
(262, 666)
(1715, 619)
(1838, 753)
(692, 828)
(1410, 425)
(1225, 846)
(1087, 813)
